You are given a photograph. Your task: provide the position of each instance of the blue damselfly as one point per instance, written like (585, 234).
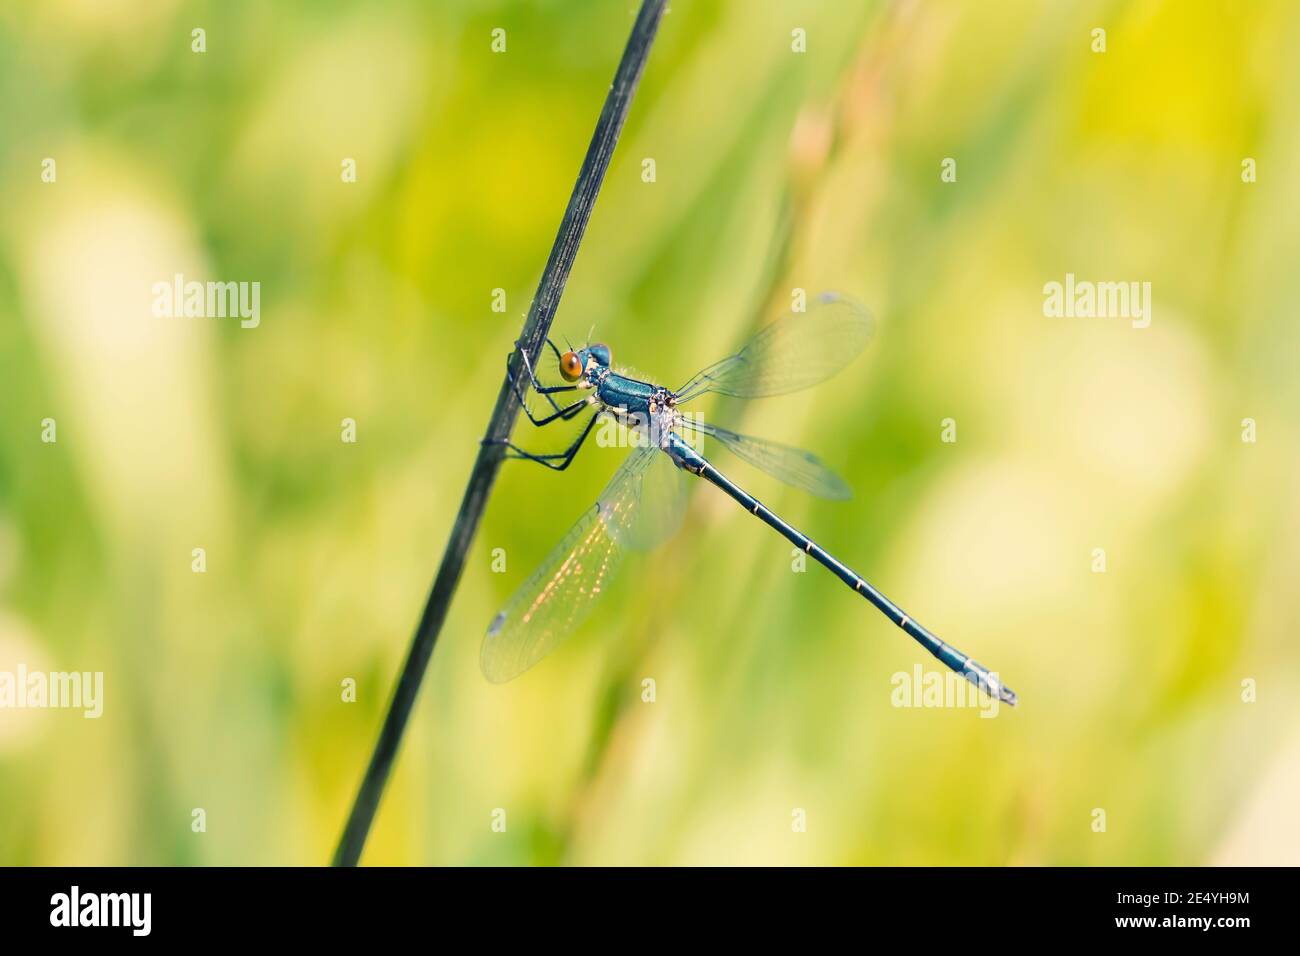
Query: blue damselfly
(641, 502)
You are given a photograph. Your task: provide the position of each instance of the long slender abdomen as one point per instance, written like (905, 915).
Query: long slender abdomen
(973, 671)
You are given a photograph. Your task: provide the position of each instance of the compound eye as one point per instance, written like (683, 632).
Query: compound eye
(570, 366)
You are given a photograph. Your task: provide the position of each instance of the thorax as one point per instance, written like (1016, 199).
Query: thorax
(624, 395)
(637, 404)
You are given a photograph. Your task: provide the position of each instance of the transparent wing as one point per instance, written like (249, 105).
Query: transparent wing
(559, 595)
(661, 508)
(795, 352)
(796, 467)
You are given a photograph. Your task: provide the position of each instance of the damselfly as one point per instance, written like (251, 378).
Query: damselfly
(641, 503)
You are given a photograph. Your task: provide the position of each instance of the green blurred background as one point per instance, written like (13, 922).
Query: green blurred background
(775, 170)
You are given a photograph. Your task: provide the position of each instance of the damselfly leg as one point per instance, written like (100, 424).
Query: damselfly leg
(547, 391)
(556, 461)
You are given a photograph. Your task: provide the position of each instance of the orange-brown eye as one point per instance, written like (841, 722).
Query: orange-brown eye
(570, 366)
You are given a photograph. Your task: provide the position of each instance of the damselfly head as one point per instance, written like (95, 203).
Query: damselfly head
(574, 363)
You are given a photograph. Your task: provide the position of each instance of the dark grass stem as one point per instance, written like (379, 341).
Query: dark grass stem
(536, 327)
